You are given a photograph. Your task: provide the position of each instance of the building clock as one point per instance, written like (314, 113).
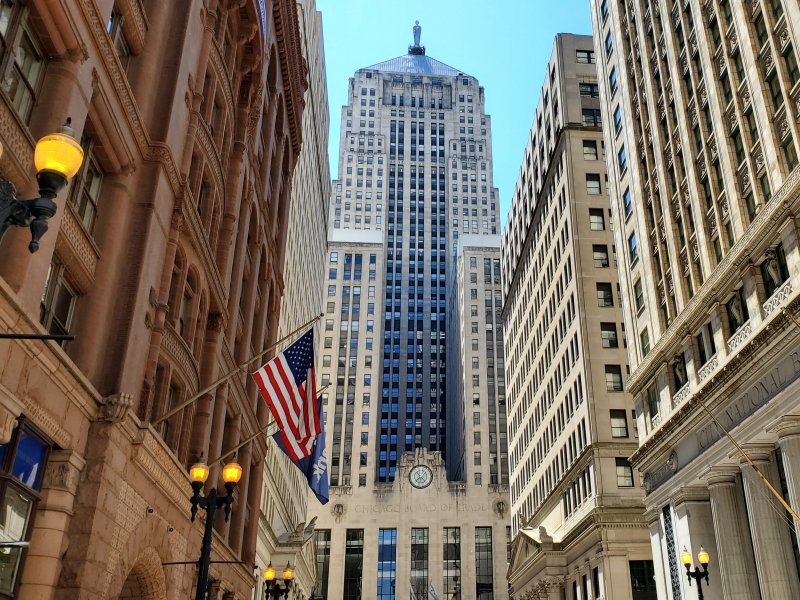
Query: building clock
(420, 476)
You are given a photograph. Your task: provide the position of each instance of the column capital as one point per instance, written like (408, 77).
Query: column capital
(785, 426)
(721, 475)
(758, 453)
(693, 493)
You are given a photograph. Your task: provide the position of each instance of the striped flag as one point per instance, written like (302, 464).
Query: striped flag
(288, 384)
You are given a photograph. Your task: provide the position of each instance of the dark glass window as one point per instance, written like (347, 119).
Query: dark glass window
(387, 564)
(484, 580)
(643, 580)
(323, 543)
(353, 563)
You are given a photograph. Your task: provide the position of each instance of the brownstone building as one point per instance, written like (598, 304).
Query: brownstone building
(164, 261)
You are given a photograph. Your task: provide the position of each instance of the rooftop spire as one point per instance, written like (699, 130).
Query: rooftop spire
(416, 48)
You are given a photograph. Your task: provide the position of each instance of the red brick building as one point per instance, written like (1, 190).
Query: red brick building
(165, 262)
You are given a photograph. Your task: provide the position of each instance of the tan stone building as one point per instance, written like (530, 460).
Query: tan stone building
(284, 497)
(576, 502)
(415, 176)
(701, 101)
(164, 261)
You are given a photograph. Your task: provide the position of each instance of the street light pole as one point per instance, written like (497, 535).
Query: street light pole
(697, 574)
(231, 473)
(57, 158)
(272, 591)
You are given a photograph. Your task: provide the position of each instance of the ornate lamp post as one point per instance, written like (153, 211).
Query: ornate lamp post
(57, 157)
(697, 574)
(231, 474)
(273, 591)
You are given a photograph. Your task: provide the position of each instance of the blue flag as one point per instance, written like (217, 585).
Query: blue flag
(314, 466)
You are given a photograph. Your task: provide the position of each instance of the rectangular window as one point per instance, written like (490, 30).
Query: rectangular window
(643, 579)
(23, 460)
(627, 202)
(26, 71)
(584, 57)
(593, 184)
(624, 473)
(608, 333)
(633, 248)
(622, 160)
(597, 220)
(614, 378)
(612, 80)
(58, 301)
(605, 296)
(484, 580)
(353, 564)
(451, 554)
(600, 253)
(638, 295)
(619, 423)
(617, 119)
(589, 150)
(322, 537)
(419, 561)
(387, 567)
(86, 189)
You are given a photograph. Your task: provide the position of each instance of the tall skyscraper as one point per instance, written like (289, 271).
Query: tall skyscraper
(415, 176)
(702, 105)
(576, 503)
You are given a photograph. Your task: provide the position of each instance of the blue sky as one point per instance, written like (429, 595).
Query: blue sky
(511, 43)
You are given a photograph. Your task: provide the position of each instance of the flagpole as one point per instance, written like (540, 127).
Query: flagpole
(263, 431)
(230, 374)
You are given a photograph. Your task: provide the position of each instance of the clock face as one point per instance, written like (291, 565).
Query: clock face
(420, 476)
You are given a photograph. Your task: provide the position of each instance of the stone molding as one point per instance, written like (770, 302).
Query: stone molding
(728, 270)
(114, 408)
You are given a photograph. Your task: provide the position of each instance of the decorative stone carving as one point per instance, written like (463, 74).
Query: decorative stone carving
(744, 180)
(712, 147)
(733, 41)
(744, 94)
(662, 295)
(711, 222)
(782, 124)
(681, 395)
(758, 160)
(61, 475)
(767, 60)
(8, 421)
(114, 408)
(685, 261)
(778, 297)
(723, 206)
(782, 33)
(708, 368)
(720, 62)
(739, 336)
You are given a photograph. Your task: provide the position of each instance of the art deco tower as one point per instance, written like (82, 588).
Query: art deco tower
(415, 177)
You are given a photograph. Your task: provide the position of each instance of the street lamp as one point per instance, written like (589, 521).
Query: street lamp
(697, 574)
(231, 474)
(57, 157)
(273, 590)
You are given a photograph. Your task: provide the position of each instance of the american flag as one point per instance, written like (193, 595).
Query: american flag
(287, 383)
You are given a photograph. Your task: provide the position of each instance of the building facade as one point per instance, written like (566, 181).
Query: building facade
(578, 517)
(702, 104)
(415, 175)
(282, 533)
(165, 262)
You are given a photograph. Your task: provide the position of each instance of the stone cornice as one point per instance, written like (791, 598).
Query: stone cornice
(783, 204)
(293, 66)
(749, 358)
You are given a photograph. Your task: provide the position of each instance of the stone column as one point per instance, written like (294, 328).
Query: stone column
(736, 561)
(788, 430)
(653, 518)
(774, 557)
(694, 527)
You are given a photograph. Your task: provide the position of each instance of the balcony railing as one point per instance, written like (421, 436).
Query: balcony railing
(778, 297)
(681, 395)
(739, 336)
(708, 368)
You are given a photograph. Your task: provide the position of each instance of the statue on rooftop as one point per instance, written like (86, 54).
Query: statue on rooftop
(417, 33)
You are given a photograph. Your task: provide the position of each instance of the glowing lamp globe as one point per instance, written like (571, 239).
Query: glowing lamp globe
(269, 573)
(198, 472)
(702, 556)
(686, 558)
(232, 472)
(58, 152)
(288, 573)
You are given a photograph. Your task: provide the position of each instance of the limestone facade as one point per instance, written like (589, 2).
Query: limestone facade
(578, 518)
(703, 97)
(284, 497)
(164, 261)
